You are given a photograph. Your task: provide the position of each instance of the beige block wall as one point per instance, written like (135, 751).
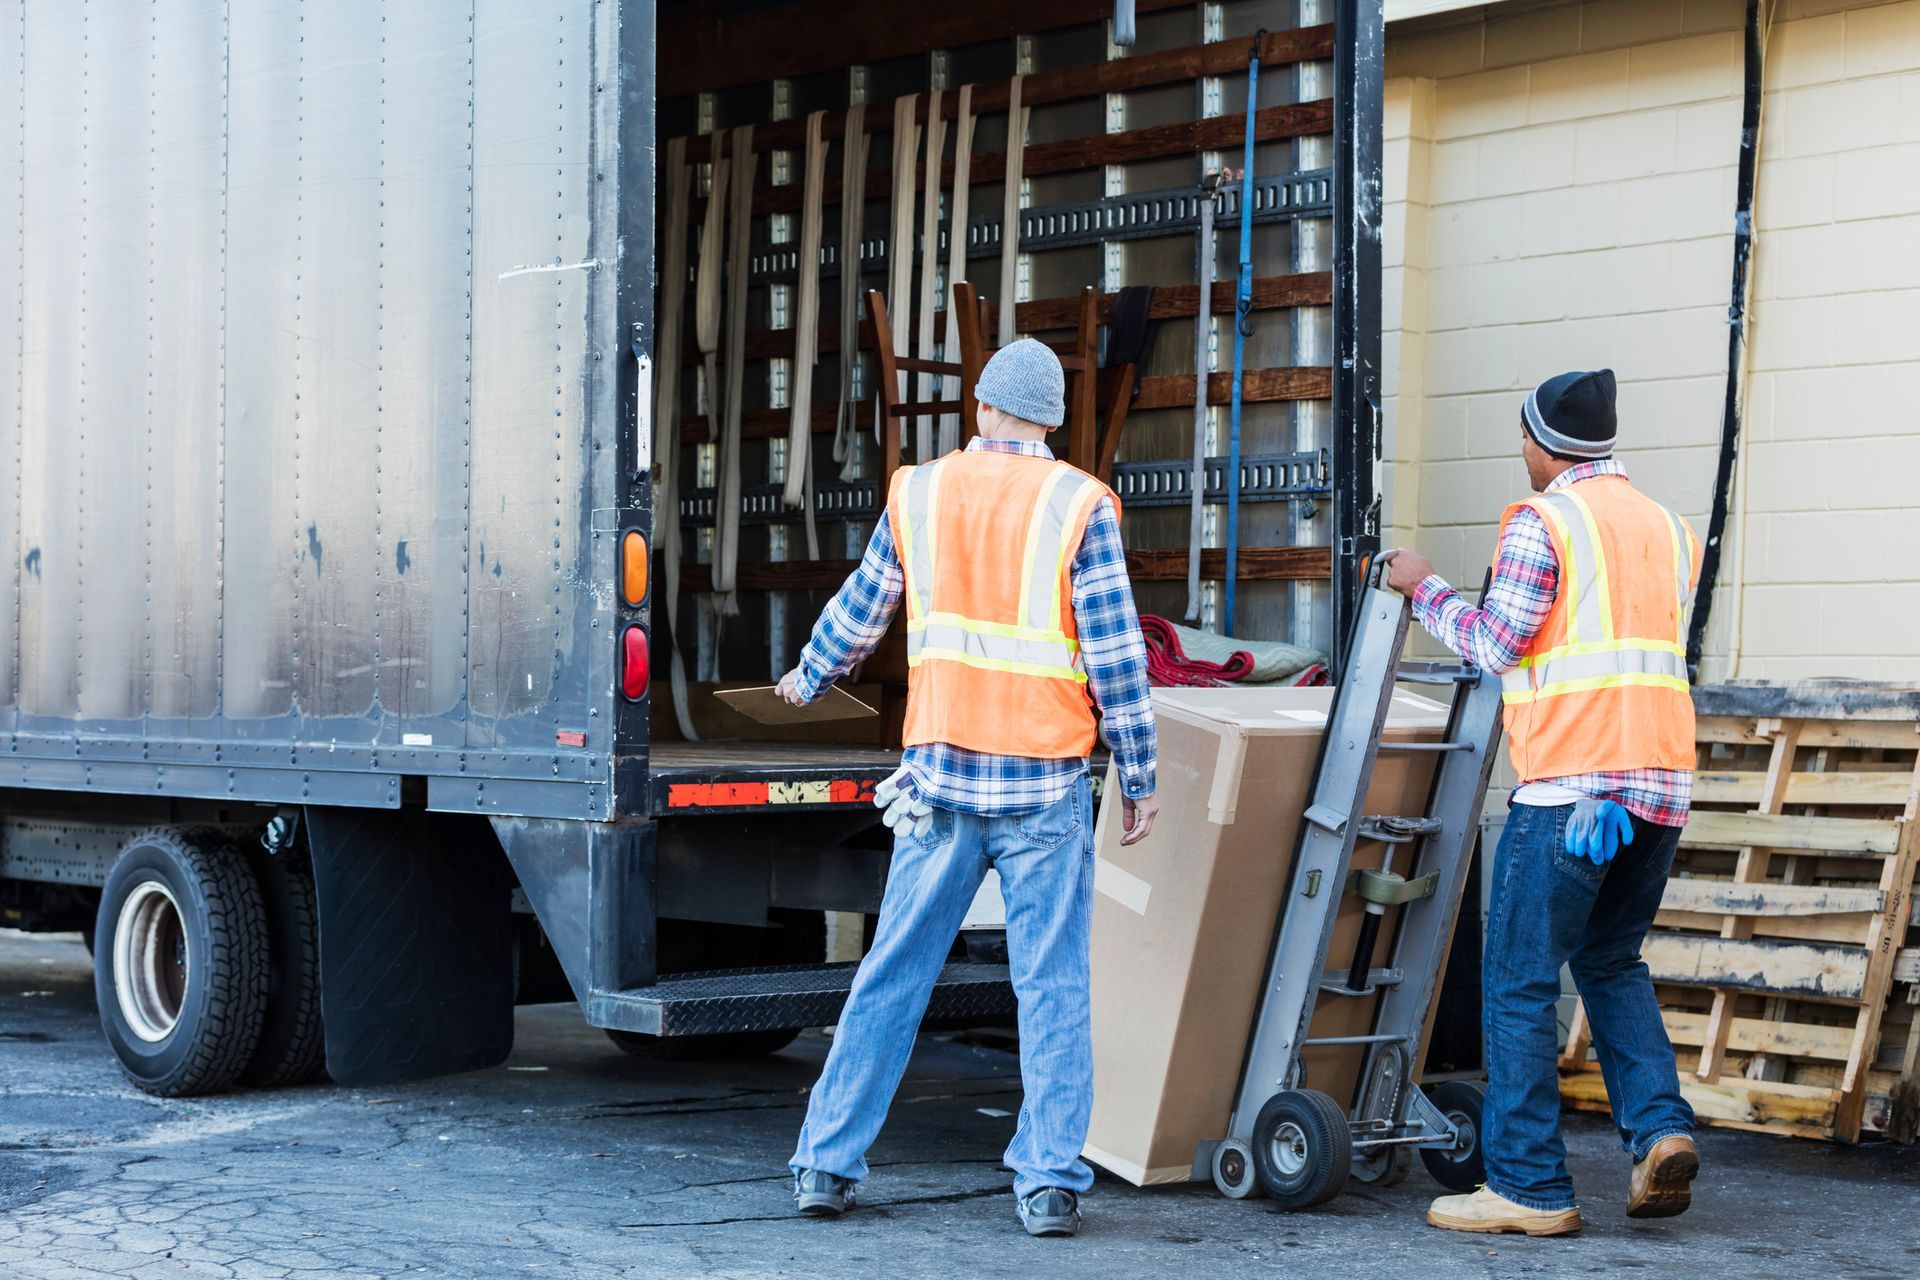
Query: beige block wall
(1561, 184)
(1832, 494)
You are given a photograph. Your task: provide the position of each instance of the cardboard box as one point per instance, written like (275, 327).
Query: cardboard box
(1183, 921)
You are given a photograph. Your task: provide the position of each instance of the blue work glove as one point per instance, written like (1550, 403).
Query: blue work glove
(1597, 829)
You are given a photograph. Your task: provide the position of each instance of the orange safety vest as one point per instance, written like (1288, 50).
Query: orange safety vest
(985, 540)
(1603, 685)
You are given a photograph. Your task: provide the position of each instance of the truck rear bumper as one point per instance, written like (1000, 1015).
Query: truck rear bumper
(687, 778)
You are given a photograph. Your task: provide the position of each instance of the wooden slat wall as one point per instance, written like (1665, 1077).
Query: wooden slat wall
(1170, 302)
(706, 45)
(1265, 564)
(1155, 142)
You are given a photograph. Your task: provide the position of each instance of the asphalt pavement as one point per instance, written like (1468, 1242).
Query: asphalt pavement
(576, 1160)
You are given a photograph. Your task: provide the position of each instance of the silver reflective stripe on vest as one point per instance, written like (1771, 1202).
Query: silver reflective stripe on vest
(1582, 566)
(919, 540)
(999, 648)
(1045, 558)
(1626, 659)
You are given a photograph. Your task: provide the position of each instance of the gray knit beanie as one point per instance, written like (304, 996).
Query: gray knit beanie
(1025, 380)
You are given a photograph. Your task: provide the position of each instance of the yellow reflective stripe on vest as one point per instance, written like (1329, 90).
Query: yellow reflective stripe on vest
(1511, 696)
(995, 646)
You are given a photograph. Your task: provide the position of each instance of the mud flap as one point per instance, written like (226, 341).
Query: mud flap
(416, 949)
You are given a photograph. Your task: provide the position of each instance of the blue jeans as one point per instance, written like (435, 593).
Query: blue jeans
(1551, 908)
(1045, 861)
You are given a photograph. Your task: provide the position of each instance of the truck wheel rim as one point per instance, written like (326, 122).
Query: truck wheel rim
(150, 962)
(1289, 1149)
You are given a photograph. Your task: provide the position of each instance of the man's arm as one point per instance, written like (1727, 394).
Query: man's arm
(852, 623)
(1526, 573)
(1116, 658)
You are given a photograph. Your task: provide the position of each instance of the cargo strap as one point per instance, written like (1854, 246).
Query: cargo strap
(1017, 118)
(1242, 326)
(708, 276)
(798, 490)
(726, 543)
(906, 144)
(1202, 350)
(1389, 888)
(668, 339)
(950, 425)
(853, 209)
(930, 383)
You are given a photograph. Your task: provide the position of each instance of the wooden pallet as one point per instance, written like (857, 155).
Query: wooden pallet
(1781, 954)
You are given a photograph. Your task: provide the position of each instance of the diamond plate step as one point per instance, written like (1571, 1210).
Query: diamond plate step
(782, 996)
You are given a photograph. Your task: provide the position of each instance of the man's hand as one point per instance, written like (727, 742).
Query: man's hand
(789, 689)
(1406, 569)
(1136, 817)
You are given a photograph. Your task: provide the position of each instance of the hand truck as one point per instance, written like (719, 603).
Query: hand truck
(1295, 1143)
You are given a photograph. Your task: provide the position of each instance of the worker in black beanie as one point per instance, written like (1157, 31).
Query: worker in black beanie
(1586, 622)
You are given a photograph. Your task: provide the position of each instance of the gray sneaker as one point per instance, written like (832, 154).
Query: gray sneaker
(821, 1195)
(1050, 1211)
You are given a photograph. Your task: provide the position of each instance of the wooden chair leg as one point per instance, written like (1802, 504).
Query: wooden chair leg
(1080, 413)
(1119, 398)
(970, 312)
(889, 379)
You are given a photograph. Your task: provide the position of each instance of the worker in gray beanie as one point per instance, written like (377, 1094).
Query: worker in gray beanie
(1025, 380)
(1585, 622)
(1020, 625)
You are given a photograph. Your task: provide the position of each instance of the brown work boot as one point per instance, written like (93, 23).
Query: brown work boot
(1486, 1210)
(1662, 1184)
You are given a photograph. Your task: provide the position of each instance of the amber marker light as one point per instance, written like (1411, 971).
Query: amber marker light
(633, 567)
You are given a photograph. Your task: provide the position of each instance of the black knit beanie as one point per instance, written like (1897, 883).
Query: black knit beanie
(1571, 416)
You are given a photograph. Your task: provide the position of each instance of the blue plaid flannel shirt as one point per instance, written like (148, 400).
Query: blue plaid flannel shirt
(1110, 642)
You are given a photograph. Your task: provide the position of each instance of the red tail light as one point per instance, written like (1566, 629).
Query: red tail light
(633, 664)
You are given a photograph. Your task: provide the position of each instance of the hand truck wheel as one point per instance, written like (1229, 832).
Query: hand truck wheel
(1385, 1167)
(1464, 1167)
(1233, 1170)
(1302, 1148)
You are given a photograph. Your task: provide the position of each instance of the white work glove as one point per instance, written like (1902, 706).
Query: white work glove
(904, 812)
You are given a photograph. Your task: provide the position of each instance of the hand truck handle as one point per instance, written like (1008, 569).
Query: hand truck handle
(1373, 569)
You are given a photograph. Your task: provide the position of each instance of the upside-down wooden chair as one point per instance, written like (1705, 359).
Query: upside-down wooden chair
(887, 665)
(897, 407)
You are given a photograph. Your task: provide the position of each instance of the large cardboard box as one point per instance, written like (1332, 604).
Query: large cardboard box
(1182, 921)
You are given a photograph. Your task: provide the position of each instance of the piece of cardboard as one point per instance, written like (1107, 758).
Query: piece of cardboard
(1182, 921)
(764, 704)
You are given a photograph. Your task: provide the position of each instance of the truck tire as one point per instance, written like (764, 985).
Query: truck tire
(293, 1039)
(181, 961)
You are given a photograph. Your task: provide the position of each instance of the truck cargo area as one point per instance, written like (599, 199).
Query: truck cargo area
(380, 349)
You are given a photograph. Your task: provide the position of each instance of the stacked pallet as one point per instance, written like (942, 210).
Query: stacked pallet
(1784, 955)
